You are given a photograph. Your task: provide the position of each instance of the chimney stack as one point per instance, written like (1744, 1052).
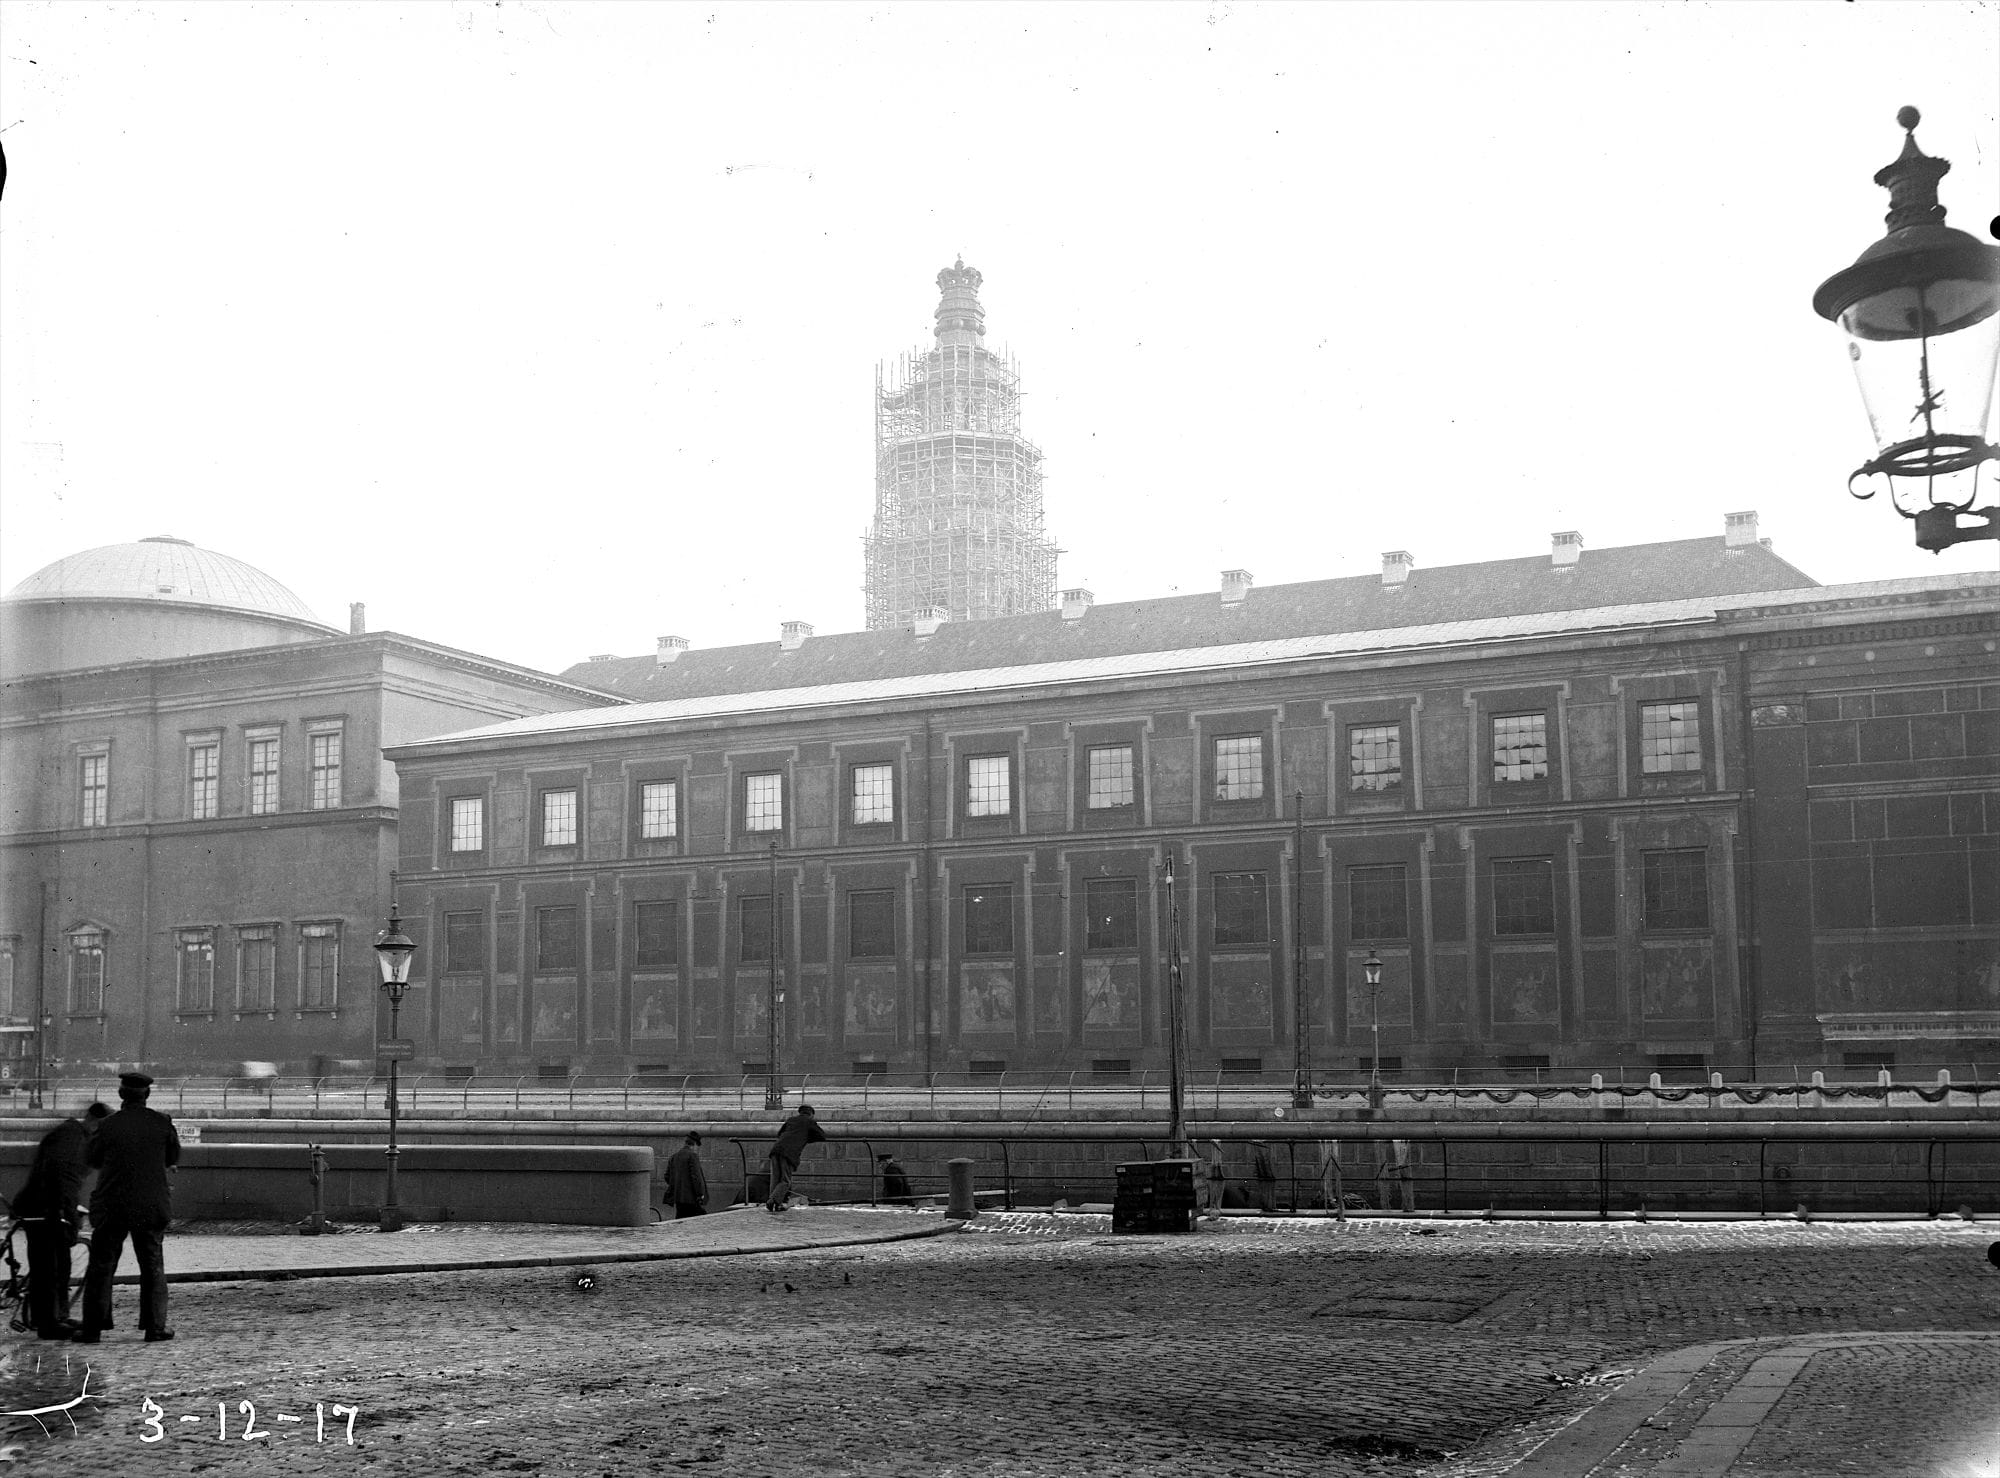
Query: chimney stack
(357, 619)
(1075, 603)
(1739, 530)
(1396, 567)
(792, 635)
(1565, 549)
(930, 618)
(1235, 587)
(668, 648)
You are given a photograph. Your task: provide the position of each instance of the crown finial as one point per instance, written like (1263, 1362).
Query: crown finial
(1908, 118)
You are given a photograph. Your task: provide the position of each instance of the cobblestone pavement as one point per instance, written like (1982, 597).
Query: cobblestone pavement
(1041, 1345)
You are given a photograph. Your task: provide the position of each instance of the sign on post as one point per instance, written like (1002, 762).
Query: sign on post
(396, 1049)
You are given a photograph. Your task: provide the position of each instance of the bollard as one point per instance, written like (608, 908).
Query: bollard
(960, 1207)
(315, 1224)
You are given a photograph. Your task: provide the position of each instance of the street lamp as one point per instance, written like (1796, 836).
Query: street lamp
(393, 953)
(1371, 971)
(1921, 309)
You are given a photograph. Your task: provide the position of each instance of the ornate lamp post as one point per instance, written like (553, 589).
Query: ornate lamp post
(393, 953)
(1921, 309)
(1371, 971)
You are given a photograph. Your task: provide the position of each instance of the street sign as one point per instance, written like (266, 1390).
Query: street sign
(396, 1049)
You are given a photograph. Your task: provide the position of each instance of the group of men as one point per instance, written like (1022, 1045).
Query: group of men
(133, 1152)
(687, 1181)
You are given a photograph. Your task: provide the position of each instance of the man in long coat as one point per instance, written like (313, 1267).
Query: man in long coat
(133, 1199)
(800, 1130)
(687, 1182)
(48, 1211)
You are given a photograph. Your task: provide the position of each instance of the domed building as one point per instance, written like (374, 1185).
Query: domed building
(197, 827)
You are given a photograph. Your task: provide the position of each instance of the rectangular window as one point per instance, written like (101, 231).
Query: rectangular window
(194, 959)
(874, 794)
(764, 802)
(1378, 902)
(1669, 737)
(468, 823)
(655, 939)
(659, 809)
(464, 943)
(753, 929)
(555, 938)
(257, 968)
(10, 949)
(86, 972)
(558, 818)
(1375, 757)
(93, 789)
(988, 785)
(204, 781)
(871, 924)
(989, 919)
(1110, 777)
(1524, 896)
(325, 770)
(1242, 913)
(264, 775)
(1676, 889)
(1239, 768)
(319, 967)
(1111, 913)
(1521, 747)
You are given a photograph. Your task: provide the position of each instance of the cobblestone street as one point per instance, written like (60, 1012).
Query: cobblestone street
(1040, 1345)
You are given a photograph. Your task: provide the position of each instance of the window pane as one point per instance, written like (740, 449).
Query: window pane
(94, 800)
(256, 968)
(871, 924)
(656, 939)
(1375, 757)
(1110, 777)
(1111, 913)
(86, 972)
(753, 928)
(195, 952)
(325, 771)
(1378, 902)
(464, 943)
(9, 949)
(659, 809)
(874, 794)
(989, 919)
(204, 768)
(987, 791)
(1524, 896)
(763, 802)
(1239, 768)
(1676, 889)
(468, 823)
(1241, 913)
(263, 776)
(558, 818)
(555, 938)
(319, 966)
(1520, 747)
(1669, 737)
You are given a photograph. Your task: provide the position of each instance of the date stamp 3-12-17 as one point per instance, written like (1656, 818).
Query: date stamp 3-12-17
(154, 1418)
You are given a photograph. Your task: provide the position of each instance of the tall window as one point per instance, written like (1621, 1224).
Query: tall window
(988, 787)
(753, 929)
(10, 948)
(204, 781)
(655, 939)
(1239, 768)
(989, 919)
(1111, 913)
(1375, 757)
(263, 775)
(1521, 747)
(871, 924)
(1669, 737)
(319, 967)
(1378, 902)
(468, 823)
(1676, 889)
(93, 806)
(325, 770)
(86, 972)
(194, 961)
(764, 801)
(1110, 777)
(1524, 895)
(464, 943)
(555, 938)
(558, 818)
(659, 809)
(257, 967)
(874, 794)
(1242, 912)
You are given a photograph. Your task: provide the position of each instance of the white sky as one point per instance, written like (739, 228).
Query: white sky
(547, 329)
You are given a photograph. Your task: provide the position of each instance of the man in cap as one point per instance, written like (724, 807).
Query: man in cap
(133, 1151)
(48, 1211)
(800, 1130)
(687, 1182)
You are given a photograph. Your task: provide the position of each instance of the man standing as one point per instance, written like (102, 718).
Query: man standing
(1266, 1175)
(133, 1150)
(47, 1208)
(687, 1182)
(800, 1130)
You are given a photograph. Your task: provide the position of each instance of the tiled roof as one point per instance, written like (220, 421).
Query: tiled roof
(163, 569)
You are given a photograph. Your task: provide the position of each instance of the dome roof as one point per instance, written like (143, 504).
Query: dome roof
(163, 569)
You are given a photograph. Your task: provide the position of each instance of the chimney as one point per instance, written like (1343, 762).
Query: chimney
(930, 618)
(1739, 530)
(1235, 586)
(1075, 603)
(357, 619)
(669, 648)
(793, 634)
(1565, 549)
(1396, 566)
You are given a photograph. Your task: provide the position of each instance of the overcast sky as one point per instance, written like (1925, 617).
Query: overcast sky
(548, 329)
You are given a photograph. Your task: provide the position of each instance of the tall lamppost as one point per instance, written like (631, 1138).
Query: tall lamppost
(393, 953)
(1371, 971)
(774, 1086)
(1921, 308)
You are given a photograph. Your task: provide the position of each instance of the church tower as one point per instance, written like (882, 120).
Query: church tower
(958, 491)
